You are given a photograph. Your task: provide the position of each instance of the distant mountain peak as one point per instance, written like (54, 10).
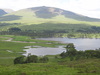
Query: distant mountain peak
(50, 12)
(8, 10)
(2, 12)
(45, 8)
(5, 11)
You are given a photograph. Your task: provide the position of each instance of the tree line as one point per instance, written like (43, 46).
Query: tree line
(52, 33)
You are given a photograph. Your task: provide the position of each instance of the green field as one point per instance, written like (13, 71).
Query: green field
(17, 45)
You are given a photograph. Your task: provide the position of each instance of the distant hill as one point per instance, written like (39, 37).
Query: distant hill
(2, 12)
(50, 12)
(48, 21)
(43, 14)
(8, 10)
(5, 11)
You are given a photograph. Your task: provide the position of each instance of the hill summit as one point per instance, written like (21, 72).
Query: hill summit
(5, 11)
(50, 12)
(45, 14)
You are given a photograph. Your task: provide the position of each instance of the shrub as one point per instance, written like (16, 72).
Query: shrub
(44, 59)
(32, 59)
(19, 60)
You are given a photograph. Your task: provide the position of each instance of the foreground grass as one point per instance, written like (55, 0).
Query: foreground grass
(37, 69)
(56, 66)
(89, 66)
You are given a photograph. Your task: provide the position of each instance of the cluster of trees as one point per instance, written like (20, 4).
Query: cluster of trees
(30, 59)
(95, 29)
(50, 30)
(92, 29)
(73, 54)
(8, 24)
(32, 33)
(15, 29)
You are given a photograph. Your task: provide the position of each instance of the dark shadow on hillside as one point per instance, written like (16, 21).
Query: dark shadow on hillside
(9, 18)
(44, 13)
(78, 17)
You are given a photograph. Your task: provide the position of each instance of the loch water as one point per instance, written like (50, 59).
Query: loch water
(79, 43)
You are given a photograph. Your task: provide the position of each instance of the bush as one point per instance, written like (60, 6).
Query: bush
(44, 59)
(32, 59)
(15, 29)
(19, 60)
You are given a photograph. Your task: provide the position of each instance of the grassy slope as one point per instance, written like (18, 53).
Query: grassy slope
(30, 18)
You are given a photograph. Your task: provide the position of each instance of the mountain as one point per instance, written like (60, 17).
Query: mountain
(50, 12)
(49, 20)
(2, 12)
(8, 10)
(44, 14)
(5, 11)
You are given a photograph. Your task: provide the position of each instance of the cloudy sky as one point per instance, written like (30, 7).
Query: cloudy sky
(89, 8)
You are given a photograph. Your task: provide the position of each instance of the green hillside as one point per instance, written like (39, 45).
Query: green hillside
(49, 20)
(38, 15)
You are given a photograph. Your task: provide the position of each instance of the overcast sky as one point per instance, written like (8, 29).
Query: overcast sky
(89, 8)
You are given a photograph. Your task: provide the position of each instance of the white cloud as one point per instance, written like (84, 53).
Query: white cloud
(20, 4)
(85, 7)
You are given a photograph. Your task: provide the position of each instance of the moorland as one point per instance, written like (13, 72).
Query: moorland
(20, 28)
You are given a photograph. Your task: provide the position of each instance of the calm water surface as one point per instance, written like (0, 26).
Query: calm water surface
(80, 44)
(41, 51)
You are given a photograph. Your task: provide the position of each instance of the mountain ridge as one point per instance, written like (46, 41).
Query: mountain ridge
(7, 10)
(2, 12)
(58, 11)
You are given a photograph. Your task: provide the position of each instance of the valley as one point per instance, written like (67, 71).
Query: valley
(75, 45)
